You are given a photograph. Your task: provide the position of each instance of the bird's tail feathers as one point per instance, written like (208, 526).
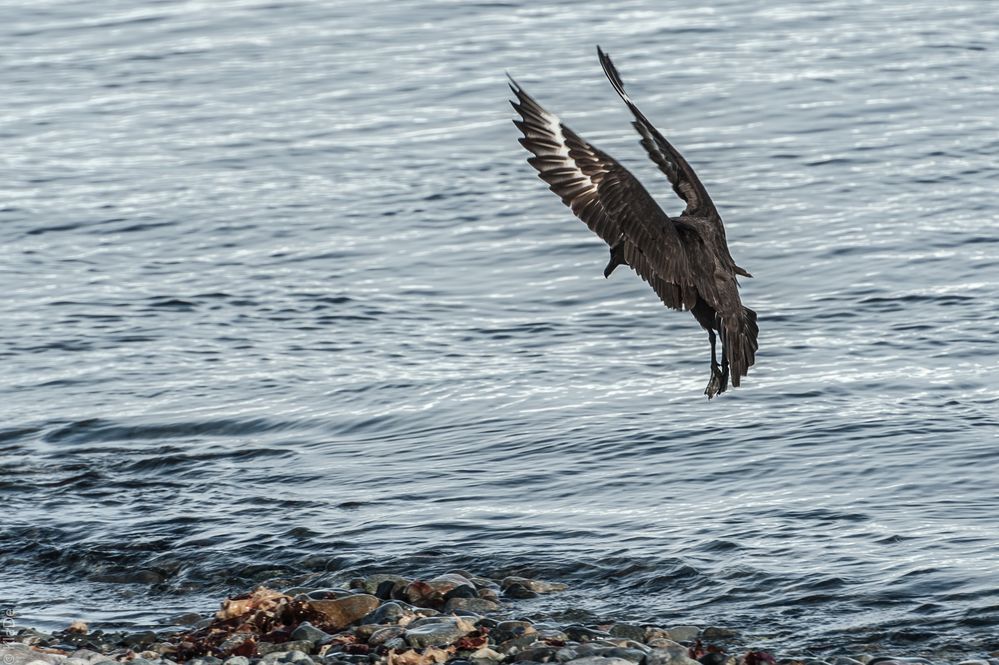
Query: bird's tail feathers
(740, 340)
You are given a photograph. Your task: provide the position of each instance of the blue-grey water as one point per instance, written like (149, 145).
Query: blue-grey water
(282, 300)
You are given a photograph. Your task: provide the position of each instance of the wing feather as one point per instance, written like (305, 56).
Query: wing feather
(608, 199)
(685, 182)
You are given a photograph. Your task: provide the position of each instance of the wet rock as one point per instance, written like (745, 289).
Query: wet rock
(537, 586)
(566, 654)
(395, 644)
(437, 632)
(391, 612)
(683, 633)
(342, 612)
(516, 644)
(551, 634)
(383, 634)
(86, 655)
(375, 584)
(718, 633)
(669, 654)
(579, 633)
(506, 630)
(470, 604)
(713, 658)
(489, 594)
(162, 648)
(433, 592)
(483, 583)
(328, 594)
(463, 591)
(519, 591)
(234, 641)
(599, 660)
(307, 632)
(538, 654)
(137, 641)
(629, 631)
(631, 655)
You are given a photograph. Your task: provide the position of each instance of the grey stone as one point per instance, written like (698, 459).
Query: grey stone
(397, 643)
(162, 648)
(206, 660)
(234, 641)
(683, 633)
(632, 655)
(489, 594)
(436, 633)
(506, 630)
(537, 586)
(237, 660)
(478, 605)
(86, 655)
(673, 655)
(583, 634)
(389, 613)
(844, 660)
(140, 661)
(599, 660)
(516, 644)
(537, 654)
(629, 631)
(306, 631)
(182, 619)
(519, 591)
(371, 583)
(139, 640)
(718, 633)
(565, 654)
(382, 635)
(75, 661)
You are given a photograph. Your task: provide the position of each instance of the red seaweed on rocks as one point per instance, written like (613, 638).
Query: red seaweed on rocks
(452, 619)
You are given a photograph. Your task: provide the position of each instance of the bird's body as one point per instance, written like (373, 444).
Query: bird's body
(684, 259)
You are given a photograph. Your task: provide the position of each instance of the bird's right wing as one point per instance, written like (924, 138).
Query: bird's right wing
(685, 182)
(608, 198)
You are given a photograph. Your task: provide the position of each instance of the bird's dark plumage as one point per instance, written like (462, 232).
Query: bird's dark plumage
(684, 259)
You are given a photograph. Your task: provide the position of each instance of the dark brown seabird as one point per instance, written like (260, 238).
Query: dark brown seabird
(684, 259)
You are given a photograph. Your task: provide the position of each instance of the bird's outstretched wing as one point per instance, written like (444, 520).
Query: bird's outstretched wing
(608, 199)
(669, 160)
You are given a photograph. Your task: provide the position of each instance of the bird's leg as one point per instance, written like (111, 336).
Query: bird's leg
(616, 257)
(718, 381)
(724, 370)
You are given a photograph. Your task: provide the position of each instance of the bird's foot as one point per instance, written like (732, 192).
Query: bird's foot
(719, 381)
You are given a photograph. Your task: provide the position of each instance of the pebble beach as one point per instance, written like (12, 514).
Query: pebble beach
(456, 618)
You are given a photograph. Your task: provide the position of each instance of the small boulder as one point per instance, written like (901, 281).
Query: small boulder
(342, 612)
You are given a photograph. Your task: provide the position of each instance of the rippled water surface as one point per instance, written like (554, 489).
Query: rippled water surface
(282, 299)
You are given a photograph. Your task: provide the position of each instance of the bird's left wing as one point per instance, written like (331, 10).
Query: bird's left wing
(669, 160)
(607, 198)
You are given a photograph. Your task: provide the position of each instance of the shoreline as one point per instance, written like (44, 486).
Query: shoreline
(455, 619)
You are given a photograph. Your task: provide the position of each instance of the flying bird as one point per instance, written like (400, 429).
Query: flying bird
(684, 259)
